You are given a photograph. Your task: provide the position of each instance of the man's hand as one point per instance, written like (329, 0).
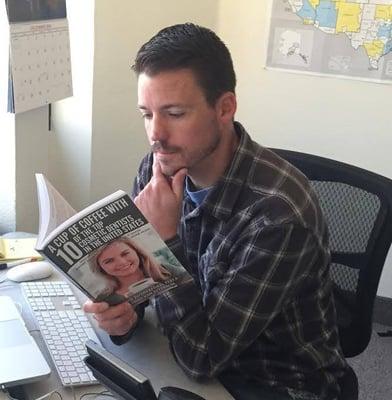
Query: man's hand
(115, 320)
(160, 200)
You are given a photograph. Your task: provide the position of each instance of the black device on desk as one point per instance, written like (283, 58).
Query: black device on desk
(126, 382)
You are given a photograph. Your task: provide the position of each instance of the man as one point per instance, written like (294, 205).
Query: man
(258, 313)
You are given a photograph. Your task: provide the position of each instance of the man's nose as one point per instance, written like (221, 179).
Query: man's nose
(158, 129)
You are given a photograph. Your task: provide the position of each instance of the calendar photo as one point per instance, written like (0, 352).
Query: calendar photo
(35, 10)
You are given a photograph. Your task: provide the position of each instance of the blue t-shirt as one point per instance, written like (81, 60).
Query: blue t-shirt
(197, 196)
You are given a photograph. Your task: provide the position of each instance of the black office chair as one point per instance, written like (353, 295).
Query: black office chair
(357, 205)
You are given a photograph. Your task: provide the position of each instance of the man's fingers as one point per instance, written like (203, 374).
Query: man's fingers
(114, 312)
(156, 169)
(115, 320)
(94, 308)
(119, 326)
(178, 183)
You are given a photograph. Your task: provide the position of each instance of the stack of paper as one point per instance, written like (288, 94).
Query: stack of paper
(13, 249)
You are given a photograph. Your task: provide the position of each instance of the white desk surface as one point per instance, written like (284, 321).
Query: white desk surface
(147, 351)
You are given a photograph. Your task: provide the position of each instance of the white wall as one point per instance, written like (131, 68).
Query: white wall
(70, 142)
(121, 28)
(7, 141)
(23, 150)
(99, 136)
(63, 154)
(341, 119)
(32, 155)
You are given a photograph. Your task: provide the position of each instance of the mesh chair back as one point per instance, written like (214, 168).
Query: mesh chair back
(357, 205)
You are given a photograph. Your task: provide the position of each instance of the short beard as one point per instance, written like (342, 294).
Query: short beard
(194, 158)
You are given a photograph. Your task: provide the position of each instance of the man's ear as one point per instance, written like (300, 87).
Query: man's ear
(226, 107)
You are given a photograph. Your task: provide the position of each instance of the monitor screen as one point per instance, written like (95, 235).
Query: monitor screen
(120, 378)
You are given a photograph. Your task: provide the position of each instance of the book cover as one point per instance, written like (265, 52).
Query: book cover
(109, 249)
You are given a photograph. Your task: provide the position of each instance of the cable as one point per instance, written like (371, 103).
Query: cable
(58, 394)
(96, 394)
(49, 395)
(8, 394)
(5, 391)
(387, 333)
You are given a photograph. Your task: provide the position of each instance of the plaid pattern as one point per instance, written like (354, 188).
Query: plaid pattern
(260, 301)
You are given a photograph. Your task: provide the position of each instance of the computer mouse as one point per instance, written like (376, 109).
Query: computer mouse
(175, 393)
(30, 271)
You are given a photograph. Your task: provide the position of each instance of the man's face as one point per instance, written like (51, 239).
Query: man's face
(183, 129)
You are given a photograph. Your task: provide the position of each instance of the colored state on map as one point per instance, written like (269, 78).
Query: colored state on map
(367, 23)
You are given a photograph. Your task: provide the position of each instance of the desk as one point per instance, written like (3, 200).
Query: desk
(147, 351)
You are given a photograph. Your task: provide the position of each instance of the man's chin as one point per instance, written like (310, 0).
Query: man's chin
(169, 170)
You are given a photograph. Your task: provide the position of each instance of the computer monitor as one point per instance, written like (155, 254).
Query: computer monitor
(17, 344)
(120, 378)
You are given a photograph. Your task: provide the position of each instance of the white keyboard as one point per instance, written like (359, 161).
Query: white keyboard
(64, 327)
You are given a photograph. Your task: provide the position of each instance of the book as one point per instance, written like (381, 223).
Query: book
(108, 250)
(17, 248)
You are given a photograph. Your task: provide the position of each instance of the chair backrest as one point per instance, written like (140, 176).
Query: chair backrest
(357, 205)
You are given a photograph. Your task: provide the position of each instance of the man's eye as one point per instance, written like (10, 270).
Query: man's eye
(146, 116)
(176, 114)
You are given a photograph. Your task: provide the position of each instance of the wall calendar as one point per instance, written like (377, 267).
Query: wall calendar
(40, 64)
(40, 59)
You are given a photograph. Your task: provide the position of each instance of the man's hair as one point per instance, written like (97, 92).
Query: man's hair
(194, 47)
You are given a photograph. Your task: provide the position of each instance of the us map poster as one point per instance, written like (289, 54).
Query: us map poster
(342, 38)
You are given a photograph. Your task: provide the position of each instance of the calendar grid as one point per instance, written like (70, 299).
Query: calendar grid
(40, 63)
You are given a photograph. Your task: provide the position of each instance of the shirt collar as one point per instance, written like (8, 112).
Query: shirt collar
(221, 198)
(197, 196)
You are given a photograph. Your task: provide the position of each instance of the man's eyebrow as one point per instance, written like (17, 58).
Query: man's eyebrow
(164, 107)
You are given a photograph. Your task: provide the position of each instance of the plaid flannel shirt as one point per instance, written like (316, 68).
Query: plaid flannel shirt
(260, 302)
